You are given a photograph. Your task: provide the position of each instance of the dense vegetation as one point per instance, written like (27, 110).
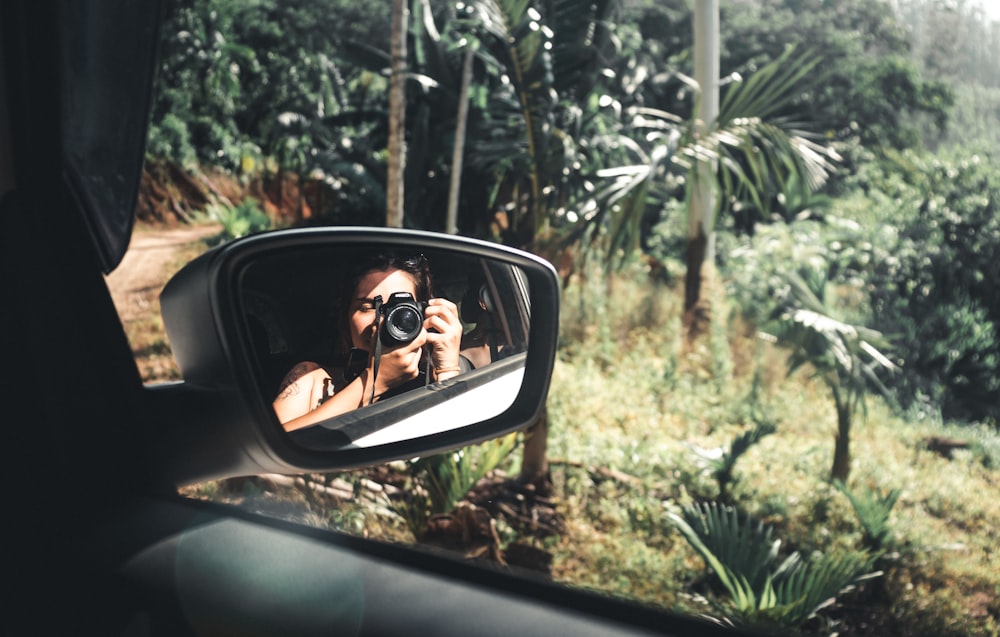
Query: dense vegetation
(857, 231)
(268, 92)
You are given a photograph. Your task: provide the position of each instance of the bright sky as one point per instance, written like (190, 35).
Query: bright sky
(992, 8)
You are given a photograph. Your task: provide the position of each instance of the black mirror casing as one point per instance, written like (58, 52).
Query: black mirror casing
(236, 432)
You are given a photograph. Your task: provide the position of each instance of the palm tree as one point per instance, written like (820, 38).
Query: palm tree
(544, 62)
(845, 356)
(751, 149)
(549, 134)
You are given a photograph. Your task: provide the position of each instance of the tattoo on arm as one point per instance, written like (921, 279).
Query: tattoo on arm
(289, 391)
(288, 383)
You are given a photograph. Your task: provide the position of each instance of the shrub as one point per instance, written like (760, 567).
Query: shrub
(933, 288)
(239, 220)
(170, 138)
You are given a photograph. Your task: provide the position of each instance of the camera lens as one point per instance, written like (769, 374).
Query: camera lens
(403, 320)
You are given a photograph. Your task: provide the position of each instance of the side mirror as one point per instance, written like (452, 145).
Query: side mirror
(248, 318)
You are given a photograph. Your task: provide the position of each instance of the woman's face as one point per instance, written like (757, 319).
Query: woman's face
(362, 315)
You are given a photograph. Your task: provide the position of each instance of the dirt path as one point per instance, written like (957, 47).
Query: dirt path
(151, 259)
(153, 256)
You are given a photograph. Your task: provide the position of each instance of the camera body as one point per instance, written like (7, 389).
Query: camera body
(402, 319)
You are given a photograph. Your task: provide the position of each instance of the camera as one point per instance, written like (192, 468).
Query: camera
(402, 319)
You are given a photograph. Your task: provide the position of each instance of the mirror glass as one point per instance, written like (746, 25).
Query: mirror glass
(363, 345)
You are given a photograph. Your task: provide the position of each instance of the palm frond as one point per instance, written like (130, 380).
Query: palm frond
(743, 557)
(804, 587)
(739, 551)
(805, 324)
(873, 508)
(756, 154)
(769, 90)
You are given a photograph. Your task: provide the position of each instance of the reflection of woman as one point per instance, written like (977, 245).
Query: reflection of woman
(311, 393)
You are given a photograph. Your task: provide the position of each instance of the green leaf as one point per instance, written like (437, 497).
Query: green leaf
(742, 556)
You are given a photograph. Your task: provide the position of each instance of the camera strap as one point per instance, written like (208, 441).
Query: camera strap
(376, 346)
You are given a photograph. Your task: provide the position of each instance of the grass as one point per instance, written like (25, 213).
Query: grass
(635, 413)
(628, 398)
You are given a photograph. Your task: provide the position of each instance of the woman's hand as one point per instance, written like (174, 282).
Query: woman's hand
(398, 365)
(444, 335)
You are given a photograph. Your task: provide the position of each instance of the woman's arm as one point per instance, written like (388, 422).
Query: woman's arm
(298, 392)
(292, 416)
(302, 403)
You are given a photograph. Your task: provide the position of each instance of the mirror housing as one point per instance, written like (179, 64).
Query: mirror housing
(213, 310)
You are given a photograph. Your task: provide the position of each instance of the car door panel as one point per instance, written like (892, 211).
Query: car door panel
(229, 572)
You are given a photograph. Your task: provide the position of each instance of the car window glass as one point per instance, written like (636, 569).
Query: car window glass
(821, 390)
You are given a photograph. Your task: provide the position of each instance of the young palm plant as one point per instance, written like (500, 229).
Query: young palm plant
(744, 558)
(756, 151)
(721, 462)
(440, 482)
(845, 356)
(872, 507)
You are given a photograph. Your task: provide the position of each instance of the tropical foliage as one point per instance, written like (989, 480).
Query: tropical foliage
(763, 590)
(441, 482)
(855, 224)
(721, 462)
(873, 508)
(846, 357)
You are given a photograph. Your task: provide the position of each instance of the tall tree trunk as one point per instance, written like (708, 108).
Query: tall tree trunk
(534, 459)
(701, 202)
(451, 223)
(397, 117)
(694, 259)
(842, 445)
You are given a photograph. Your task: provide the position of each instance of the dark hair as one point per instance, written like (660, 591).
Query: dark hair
(415, 266)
